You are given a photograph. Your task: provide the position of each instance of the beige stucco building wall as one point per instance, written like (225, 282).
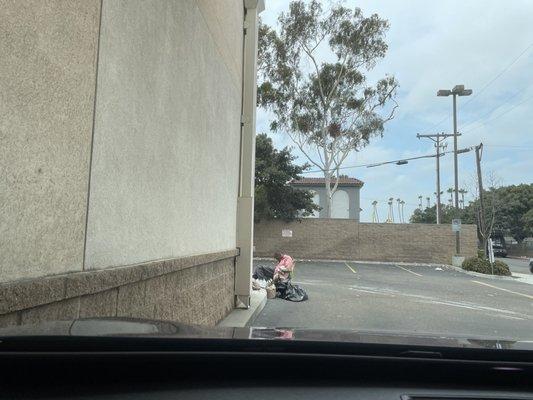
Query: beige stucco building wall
(165, 151)
(47, 79)
(165, 164)
(120, 133)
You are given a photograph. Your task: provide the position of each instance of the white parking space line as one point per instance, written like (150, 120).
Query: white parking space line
(407, 270)
(351, 269)
(504, 290)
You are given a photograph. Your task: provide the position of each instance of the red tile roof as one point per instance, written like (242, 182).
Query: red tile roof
(320, 181)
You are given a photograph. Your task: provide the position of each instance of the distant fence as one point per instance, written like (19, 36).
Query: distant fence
(343, 239)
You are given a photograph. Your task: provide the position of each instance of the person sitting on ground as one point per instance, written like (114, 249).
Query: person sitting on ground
(285, 289)
(284, 268)
(281, 275)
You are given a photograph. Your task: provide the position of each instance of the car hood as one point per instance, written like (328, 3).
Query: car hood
(130, 327)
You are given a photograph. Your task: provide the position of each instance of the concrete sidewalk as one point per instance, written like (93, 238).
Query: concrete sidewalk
(524, 278)
(245, 317)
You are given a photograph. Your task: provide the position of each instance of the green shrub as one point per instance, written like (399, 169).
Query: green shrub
(501, 268)
(483, 266)
(476, 264)
(480, 253)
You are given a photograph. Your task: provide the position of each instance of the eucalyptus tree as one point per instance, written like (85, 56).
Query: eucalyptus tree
(313, 71)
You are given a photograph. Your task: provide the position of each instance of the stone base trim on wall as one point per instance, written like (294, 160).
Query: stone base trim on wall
(196, 289)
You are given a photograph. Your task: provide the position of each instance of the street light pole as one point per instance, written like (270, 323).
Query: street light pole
(455, 166)
(458, 90)
(456, 171)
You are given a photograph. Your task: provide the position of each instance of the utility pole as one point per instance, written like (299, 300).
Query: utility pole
(479, 151)
(435, 193)
(437, 139)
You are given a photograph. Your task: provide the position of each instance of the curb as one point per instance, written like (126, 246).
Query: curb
(480, 275)
(239, 318)
(515, 277)
(520, 257)
(415, 264)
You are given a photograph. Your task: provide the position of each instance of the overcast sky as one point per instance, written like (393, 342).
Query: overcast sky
(436, 45)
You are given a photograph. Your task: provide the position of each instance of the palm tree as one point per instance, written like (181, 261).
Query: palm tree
(450, 190)
(420, 201)
(463, 192)
(390, 217)
(428, 200)
(398, 200)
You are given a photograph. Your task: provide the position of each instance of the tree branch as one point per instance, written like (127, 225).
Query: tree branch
(300, 146)
(337, 80)
(310, 55)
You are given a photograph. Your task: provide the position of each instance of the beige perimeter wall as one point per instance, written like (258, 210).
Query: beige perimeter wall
(339, 239)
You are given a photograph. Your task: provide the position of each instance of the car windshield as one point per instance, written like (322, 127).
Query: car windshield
(291, 166)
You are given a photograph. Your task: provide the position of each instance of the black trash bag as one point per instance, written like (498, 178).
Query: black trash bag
(264, 272)
(287, 291)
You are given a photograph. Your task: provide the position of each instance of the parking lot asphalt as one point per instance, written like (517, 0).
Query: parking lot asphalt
(404, 298)
(519, 265)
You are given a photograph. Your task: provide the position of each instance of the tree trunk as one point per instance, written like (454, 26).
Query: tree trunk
(327, 179)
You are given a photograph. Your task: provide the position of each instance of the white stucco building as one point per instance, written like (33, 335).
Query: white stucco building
(345, 203)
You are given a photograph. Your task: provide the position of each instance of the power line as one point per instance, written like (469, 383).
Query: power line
(506, 100)
(509, 146)
(478, 93)
(499, 115)
(401, 160)
(440, 122)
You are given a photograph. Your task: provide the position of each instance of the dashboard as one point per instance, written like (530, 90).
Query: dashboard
(270, 370)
